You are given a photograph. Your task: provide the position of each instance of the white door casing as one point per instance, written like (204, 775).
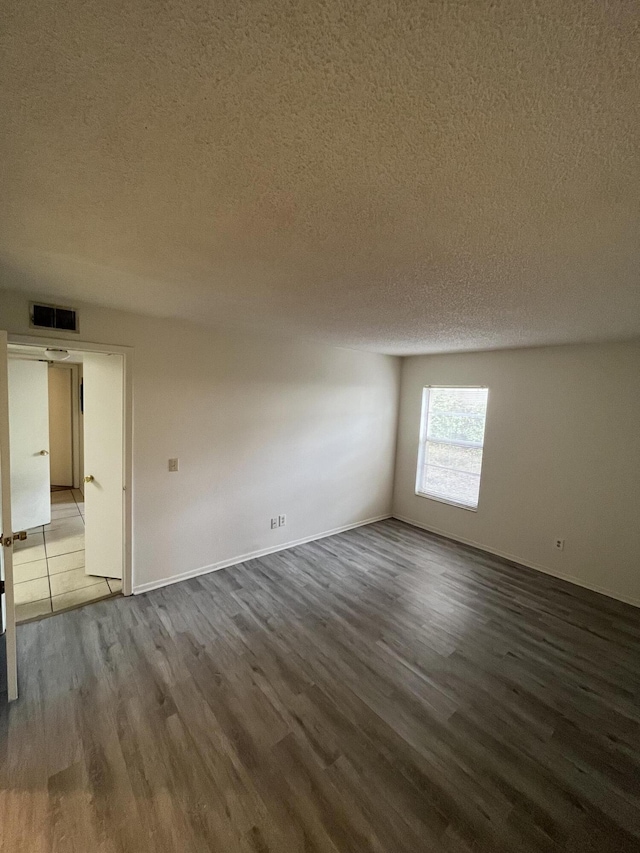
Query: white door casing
(6, 552)
(103, 377)
(29, 431)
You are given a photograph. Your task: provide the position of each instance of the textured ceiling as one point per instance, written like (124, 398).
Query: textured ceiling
(404, 177)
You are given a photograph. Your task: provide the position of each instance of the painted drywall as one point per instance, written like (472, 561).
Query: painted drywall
(561, 459)
(60, 426)
(261, 426)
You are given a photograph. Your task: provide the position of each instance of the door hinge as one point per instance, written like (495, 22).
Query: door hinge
(1, 587)
(8, 541)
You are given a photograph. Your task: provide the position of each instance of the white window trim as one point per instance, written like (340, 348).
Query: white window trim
(422, 444)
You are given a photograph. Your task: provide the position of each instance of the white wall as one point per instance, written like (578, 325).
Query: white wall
(561, 459)
(261, 426)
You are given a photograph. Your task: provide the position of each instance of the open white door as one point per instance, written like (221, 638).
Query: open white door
(8, 620)
(103, 463)
(29, 430)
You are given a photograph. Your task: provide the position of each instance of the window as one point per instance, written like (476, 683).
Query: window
(451, 441)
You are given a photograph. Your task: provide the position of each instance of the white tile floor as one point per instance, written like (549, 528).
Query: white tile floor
(48, 566)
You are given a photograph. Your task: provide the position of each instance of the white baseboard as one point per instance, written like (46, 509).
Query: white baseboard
(224, 564)
(512, 558)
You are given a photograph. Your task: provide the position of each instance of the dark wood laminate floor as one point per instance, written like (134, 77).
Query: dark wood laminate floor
(380, 690)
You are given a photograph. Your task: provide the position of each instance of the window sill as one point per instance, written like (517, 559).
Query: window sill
(445, 501)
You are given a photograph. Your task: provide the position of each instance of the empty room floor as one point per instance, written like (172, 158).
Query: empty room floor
(49, 565)
(378, 690)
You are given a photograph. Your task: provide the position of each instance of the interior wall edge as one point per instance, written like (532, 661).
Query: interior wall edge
(262, 552)
(573, 579)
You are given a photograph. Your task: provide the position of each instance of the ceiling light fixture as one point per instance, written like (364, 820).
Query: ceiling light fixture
(57, 354)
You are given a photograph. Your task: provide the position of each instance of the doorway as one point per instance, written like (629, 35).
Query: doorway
(69, 471)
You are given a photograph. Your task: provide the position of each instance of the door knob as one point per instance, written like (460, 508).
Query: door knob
(89, 478)
(44, 453)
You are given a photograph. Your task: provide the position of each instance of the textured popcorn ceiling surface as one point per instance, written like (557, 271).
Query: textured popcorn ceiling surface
(404, 177)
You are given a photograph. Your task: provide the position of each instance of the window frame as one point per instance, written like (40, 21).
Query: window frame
(422, 444)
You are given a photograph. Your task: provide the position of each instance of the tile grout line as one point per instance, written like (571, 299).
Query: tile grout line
(46, 556)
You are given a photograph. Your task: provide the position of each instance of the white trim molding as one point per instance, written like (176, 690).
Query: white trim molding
(635, 602)
(225, 564)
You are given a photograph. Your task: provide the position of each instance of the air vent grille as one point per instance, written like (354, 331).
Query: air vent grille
(54, 317)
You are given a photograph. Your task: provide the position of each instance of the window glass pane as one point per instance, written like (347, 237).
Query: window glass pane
(466, 459)
(452, 485)
(466, 400)
(456, 427)
(452, 430)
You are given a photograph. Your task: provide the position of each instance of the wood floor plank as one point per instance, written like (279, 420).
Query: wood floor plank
(379, 691)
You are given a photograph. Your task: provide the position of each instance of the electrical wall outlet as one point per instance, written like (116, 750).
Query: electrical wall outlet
(173, 464)
(560, 544)
(274, 523)
(282, 520)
